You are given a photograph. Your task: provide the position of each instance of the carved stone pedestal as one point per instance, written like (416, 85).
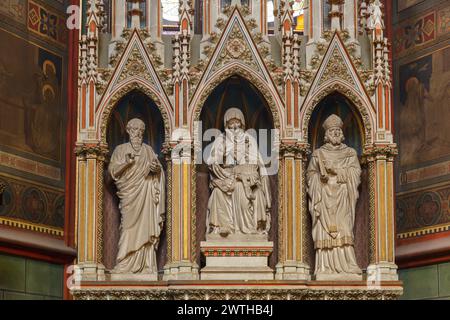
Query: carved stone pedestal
(89, 272)
(236, 258)
(382, 272)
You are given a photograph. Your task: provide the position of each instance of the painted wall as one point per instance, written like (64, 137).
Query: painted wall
(421, 55)
(33, 116)
(33, 113)
(429, 282)
(28, 279)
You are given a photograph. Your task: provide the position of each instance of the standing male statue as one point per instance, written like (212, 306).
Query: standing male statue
(333, 177)
(240, 200)
(140, 183)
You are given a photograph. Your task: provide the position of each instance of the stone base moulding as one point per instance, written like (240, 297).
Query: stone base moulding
(89, 272)
(382, 272)
(181, 271)
(292, 270)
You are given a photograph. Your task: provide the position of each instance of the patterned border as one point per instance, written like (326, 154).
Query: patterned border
(46, 23)
(236, 252)
(31, 226)
(423, 231)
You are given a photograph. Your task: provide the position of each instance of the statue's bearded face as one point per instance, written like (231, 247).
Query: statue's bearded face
(234, 125)
(136, 133)
(335, 136)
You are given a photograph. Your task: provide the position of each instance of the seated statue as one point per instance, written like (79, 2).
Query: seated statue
(140, 187)
(240, 200)
(333, 177)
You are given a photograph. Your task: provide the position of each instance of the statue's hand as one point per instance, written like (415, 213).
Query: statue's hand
(154, 166)
(331, 170)
(130, 158)
(324, 178)
(230, 186)
(341, 177)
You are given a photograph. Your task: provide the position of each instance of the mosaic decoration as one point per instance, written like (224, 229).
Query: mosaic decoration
(423, 212)
(46, 23)
(7, 198)
(414, 33)
(31, 206)
(34, 205)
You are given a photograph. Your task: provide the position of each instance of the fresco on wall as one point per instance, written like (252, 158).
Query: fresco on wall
(14, 9)
(414, 33)
(424, 110)
(405, 4)
(30, 99)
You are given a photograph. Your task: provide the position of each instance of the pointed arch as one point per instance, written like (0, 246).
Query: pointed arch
(109, 103)
(134, 71)
(240, 69)
(364, 109)
(337, 73)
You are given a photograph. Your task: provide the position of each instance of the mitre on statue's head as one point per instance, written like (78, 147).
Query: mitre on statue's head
(332, 122)
(234, 113)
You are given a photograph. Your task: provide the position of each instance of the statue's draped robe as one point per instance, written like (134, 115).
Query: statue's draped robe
(236, 206)
(332, 206)
(142, 207)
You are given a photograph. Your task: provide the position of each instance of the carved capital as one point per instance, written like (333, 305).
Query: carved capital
(97, 151)
(177, 150)
(298, 150)
(372, 152)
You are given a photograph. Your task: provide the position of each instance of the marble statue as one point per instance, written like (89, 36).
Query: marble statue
(376, 15)
(240, 200)
(140, 183)
(333, 176)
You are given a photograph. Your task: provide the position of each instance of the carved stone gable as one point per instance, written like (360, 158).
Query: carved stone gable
(236, 47)
(336, 68)
(135, 67)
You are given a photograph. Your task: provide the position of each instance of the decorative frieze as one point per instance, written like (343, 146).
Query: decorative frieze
(392, 291)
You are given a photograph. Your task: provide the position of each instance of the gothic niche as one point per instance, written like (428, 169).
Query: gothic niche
(133, 105)
(353, 131)
(235, 92)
